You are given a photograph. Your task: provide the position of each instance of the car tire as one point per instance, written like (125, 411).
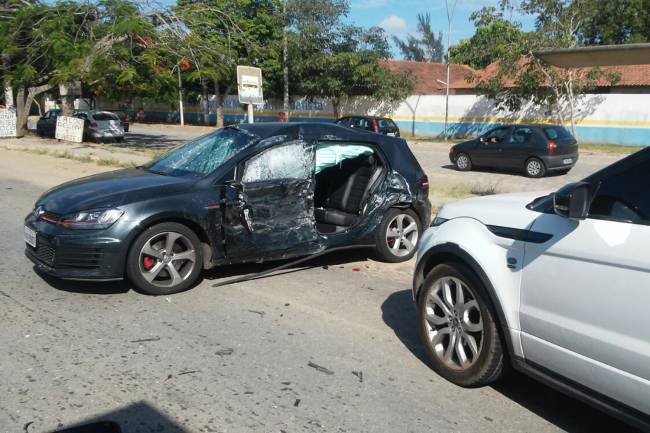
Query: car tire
(479, 359)
(535, 168)
(149, 263)
(463, 162)
(398, 235)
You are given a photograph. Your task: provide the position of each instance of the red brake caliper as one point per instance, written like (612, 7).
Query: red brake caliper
(148, 262)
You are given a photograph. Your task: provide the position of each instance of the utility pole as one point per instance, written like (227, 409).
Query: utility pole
(285, 60)
(180, 95)
(450, 17)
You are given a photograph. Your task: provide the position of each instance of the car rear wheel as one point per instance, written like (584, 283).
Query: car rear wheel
(458, 327)
(165, 259)
(398, 235)
(535, 168)
(463, 162)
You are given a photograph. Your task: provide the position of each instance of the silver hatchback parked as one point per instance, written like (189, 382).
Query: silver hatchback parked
(101, 125)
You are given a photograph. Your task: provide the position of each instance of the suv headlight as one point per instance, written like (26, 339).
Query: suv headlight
(91, 219)
(437, 221)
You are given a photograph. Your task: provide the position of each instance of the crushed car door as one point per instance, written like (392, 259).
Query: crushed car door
(270, 208)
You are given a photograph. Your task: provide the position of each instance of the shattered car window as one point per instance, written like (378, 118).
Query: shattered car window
(288, 161)
(204, 155)
(331, 154)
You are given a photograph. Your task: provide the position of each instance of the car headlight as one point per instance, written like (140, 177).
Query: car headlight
(437, 221)
(91, 219)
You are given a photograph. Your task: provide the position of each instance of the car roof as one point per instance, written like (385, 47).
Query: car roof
(364, 117)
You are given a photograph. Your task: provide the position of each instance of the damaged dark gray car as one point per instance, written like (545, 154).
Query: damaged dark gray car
(249, 193)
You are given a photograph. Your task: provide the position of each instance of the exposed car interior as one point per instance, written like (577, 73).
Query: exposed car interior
(346, 177)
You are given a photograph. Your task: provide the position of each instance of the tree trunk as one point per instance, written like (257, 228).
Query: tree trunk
(204, 102)
(218, 101)
(336, 105)
(21, 119)
(67, 99)
(572, 106)
(285, 62)
(9, 94)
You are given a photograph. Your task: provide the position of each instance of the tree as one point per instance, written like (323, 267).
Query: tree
(348, 65)
(425, 48)
(55, 45)
(617, 22)
(520, 77)
(495, 38)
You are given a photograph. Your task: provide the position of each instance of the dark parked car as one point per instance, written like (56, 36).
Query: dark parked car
(535, 149)
(46, 125)
(250, 193)
(380, 125)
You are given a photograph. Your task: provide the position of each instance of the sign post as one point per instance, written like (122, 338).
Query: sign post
(7, 122)
(249, 88)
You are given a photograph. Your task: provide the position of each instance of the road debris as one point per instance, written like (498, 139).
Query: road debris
(225, 351)
(26, 426)
(261, 313)
(356, 269)
(358, 374)
(144, 340)
(188, 372)
(320, 368)
(296, 403)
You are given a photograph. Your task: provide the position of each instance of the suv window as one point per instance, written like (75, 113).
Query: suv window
(287, 161)
(359, 122)
(625, 196)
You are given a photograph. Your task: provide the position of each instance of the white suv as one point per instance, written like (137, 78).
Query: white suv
(557, 286)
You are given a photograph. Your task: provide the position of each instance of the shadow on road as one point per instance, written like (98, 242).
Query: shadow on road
(504, 171)
(398, 312)
(87, 287)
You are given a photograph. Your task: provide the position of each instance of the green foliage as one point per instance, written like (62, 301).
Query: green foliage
(425, 48)
(617, 22)
(495, 39)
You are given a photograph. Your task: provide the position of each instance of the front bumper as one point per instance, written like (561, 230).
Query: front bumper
(558, 162)
(79, 256)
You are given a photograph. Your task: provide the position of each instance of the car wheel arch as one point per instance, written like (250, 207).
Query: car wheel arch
(189, 223)
(452, 253)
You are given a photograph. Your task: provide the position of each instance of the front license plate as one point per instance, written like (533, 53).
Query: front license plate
(567, 161)
(30, 237)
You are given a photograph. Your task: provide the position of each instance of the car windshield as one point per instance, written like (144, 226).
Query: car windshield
(105, 116)
(202, 156)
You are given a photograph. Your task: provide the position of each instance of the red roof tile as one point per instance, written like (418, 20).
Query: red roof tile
(425, 75)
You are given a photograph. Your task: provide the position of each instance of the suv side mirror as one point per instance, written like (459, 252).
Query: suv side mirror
(573, 200)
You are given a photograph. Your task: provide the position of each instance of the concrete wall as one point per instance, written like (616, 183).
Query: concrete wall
(602, 118)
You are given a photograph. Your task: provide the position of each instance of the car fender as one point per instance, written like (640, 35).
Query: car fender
(490, 257)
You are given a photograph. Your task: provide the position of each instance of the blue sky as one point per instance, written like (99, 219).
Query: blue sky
(399, 17)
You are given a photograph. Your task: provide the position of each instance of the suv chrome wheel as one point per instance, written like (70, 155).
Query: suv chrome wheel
(463, 162)
(167, 259)
(402, 235)
(535, 168)
(453, 323)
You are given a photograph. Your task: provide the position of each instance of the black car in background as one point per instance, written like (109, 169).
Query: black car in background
(535, 149)
(246, 193)
(380, 125)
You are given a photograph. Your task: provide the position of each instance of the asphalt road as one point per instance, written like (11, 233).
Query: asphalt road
(234, 358)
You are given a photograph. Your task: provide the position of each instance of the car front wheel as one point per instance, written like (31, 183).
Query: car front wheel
(165, 259)
(458, 327)
(398, 235)
(463, 162)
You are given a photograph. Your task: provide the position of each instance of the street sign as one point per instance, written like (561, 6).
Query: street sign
(249, 85)
(69, 129)
(7, 122)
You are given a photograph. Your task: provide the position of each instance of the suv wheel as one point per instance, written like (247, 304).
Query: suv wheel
(458, 327)
(535, 168)
(397, 236)
(166, 258)
(463, 162)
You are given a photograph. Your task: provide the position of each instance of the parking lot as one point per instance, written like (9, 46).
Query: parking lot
(331, 346)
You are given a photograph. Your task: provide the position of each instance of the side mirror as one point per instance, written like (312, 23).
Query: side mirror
(235, 184)
(573, 200)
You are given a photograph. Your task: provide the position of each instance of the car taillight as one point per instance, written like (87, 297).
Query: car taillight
(375, 127)
(424, 185)
(552, 146)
